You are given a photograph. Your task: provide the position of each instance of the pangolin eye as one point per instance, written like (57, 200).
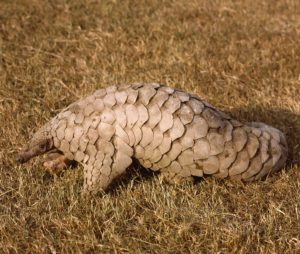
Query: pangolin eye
(42, 146)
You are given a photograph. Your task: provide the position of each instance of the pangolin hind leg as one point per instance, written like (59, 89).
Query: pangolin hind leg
(173, 178)
(176, 174)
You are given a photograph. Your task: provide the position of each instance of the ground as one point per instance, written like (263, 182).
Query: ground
(241, 56)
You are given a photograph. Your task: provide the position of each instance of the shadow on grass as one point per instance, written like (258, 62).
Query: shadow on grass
(136, 173)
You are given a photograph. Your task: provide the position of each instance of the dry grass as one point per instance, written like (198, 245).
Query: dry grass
(242, 56)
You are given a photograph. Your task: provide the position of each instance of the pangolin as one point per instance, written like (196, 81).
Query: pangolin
(165, 129)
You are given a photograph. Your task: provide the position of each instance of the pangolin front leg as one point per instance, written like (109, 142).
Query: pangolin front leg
(55, 162)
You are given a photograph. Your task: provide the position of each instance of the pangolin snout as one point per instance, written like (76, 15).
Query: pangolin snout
(21, 158)
(24, 155)
(33, 150)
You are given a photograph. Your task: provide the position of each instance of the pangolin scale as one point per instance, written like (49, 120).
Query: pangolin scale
(165, 129)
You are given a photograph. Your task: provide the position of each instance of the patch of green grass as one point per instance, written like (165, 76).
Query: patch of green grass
(242, 56)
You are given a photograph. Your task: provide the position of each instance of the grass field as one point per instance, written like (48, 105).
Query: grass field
(241, 56)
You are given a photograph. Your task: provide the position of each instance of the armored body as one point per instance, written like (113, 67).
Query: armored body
(165, 129)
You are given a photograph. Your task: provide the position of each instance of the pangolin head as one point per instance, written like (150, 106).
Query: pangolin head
(40, 143)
